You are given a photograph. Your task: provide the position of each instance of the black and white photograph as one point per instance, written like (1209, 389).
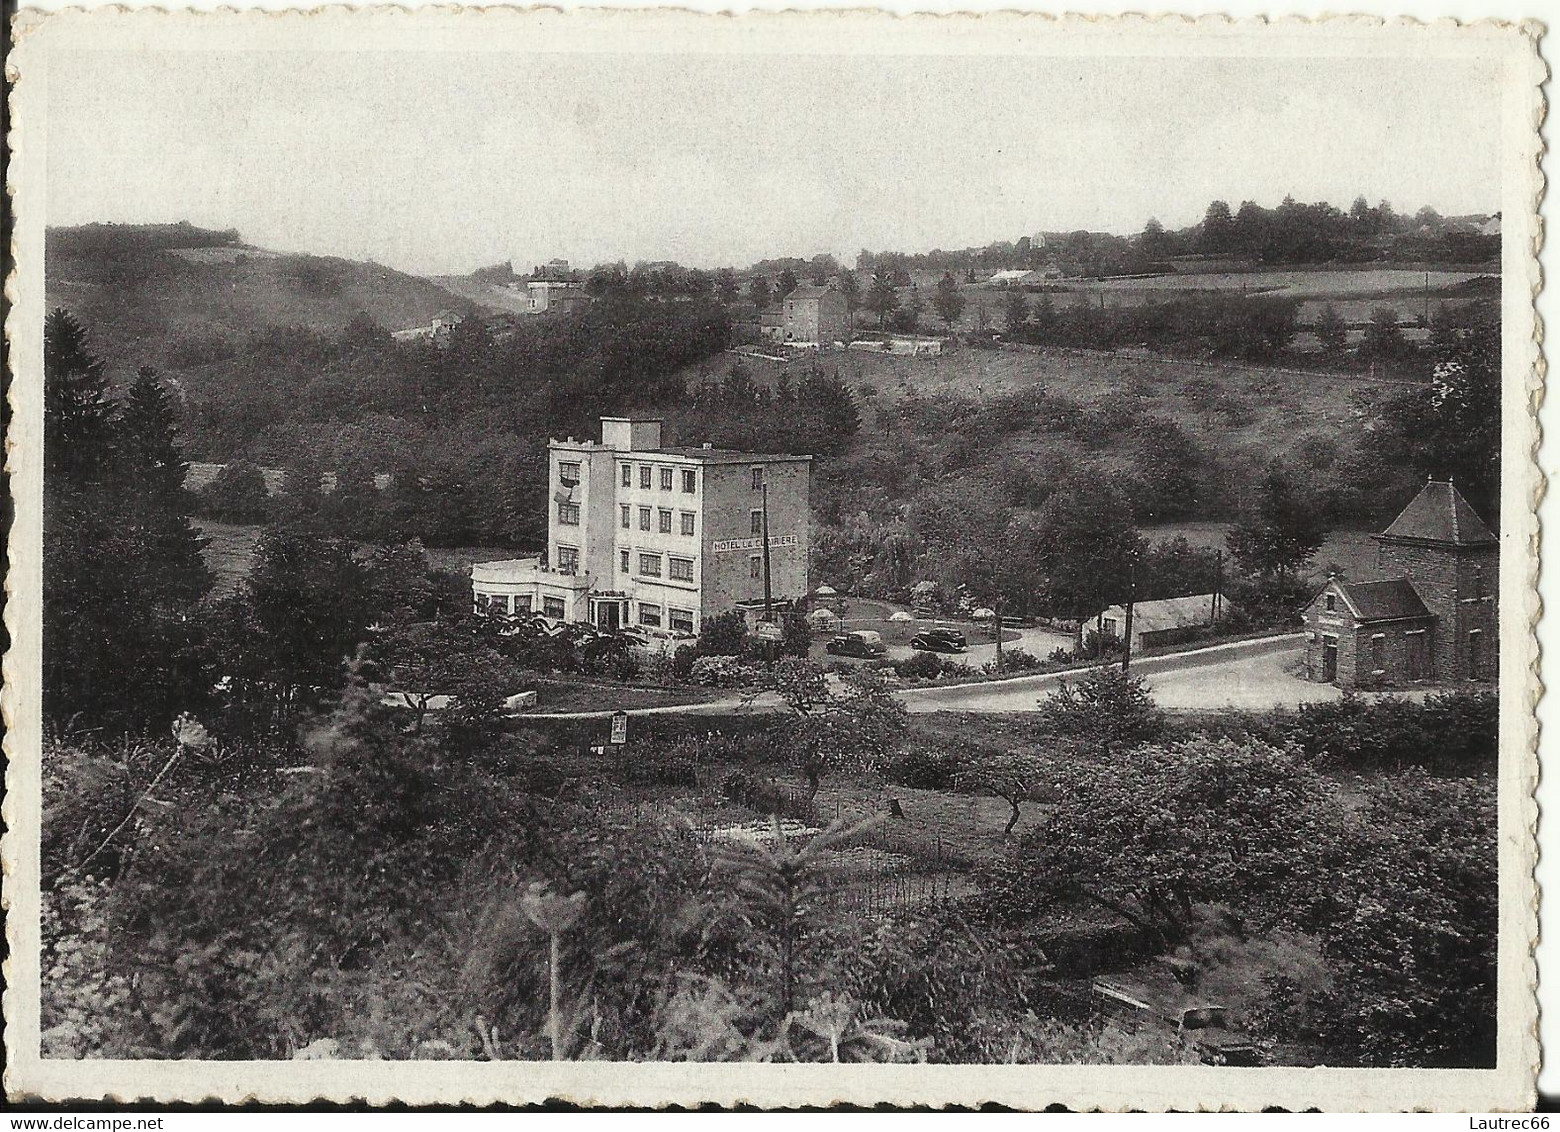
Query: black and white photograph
(887, 561)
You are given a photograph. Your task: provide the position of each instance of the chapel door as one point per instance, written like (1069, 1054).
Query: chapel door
(1418, 655)
(1329, 659)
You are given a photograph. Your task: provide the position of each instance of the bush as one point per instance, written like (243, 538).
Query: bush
(767, 797)
(923, 666)
(722, 672)
(1105, 706)
(1013, 660)
(1453, 733)
(682, 661)
(925, 769)
(725, 635)
(637, 767)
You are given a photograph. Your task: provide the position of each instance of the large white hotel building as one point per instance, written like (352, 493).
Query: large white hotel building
(661, 537)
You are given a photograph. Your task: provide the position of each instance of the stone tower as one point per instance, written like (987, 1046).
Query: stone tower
(1453, 561)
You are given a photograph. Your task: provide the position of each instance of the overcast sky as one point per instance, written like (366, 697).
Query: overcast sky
(439, 163)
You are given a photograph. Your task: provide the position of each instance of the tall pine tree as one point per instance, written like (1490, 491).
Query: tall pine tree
(122, 570)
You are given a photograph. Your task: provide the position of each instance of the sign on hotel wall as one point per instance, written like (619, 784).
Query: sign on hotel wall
(776, 542)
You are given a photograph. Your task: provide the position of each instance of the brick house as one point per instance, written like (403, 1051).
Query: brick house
(1430, 616)
(809, 316)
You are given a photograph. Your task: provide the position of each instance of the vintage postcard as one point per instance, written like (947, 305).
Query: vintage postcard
(791, 559)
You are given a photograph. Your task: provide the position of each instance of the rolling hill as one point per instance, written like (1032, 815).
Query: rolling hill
(176, 296)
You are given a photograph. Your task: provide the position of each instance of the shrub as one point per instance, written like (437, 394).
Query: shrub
(922, 666)
(767, 797)
(1106, 706)
(1453, 733)
(925, 769)
(725, 635)
(682, 661)
(637, 767)
(1013, 660)
(722, 672)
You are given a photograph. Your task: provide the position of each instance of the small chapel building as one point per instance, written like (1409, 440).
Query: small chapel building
(1431, 614)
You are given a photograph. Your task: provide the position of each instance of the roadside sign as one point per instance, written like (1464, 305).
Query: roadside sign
(619, 728)
(768, 631)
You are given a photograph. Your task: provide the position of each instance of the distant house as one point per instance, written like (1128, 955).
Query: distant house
(1431, 616)
(1025, 277)
(554, 271)
(809, 316)
(552, 297)
(1167, 621)
(771, 324)
(436, 331)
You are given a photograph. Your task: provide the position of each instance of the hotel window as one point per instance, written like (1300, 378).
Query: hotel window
(552, 607)
(666, 479)
(625, 515)
(756, 523)
(484, 601)
(756, 566)
(623, 561)
(522, 603)
(680, 569)
(644, 475)
(644, 518)
(649, 614)
(650, 565)
(568, 472)
(758, 479)
(689, 482)
(569, 514)
(664, 518)
(628, 475)
(687, 522)
(680, 619)
(568, 559)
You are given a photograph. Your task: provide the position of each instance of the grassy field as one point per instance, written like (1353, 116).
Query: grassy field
(578, 694)
(1324, 284)
(230, 550)
(1248, 415)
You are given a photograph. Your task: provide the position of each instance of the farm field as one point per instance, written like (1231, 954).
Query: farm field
(1325, 284)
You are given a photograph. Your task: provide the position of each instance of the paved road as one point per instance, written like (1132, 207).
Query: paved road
(1246, 674)
(1254, 675)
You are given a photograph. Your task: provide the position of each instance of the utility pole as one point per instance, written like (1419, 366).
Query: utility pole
(1218, 583)
(1126, 657)
(996, 608)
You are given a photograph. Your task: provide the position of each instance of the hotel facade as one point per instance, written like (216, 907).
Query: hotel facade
(658, 537)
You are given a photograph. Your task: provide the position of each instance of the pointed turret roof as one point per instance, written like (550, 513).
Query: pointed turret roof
(1439, 513)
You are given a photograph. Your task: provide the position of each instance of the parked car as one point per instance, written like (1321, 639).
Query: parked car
(861, 643)
(1138, 1002)
(939, 639)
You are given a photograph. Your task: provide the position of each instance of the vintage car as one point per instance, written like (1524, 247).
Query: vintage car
(1137, 1002)
(862, 643)
(939, 639)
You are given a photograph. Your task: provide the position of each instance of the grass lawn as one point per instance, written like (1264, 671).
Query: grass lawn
(578, 694)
